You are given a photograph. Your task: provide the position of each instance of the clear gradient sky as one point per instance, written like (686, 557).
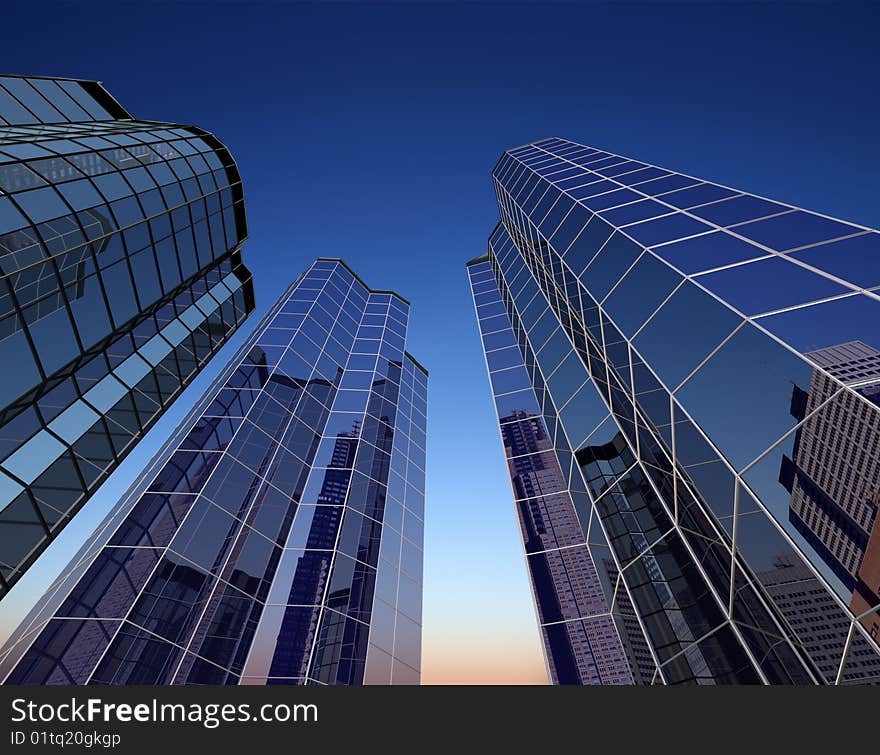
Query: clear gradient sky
(367, 132)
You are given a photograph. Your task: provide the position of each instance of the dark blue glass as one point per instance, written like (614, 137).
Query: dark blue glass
(248, 507)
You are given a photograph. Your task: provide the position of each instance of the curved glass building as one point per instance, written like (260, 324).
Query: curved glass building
(277, 538)
(687, 381)
(120, 260)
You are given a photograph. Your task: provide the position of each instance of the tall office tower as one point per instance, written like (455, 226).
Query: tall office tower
(121, 276)
(566, 580)
(277, 539)
(686, 381)
(834, 473)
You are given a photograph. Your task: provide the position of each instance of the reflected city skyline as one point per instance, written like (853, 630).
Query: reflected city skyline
(575, 617)
(637, 311)
(278, 538)
(834, 474)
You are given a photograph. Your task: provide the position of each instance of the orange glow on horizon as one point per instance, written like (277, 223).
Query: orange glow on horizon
(455, 658)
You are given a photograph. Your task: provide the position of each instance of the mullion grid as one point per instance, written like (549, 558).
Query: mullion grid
(736, 476)
(724, 229)
(98, 269)
(673, 516)
(231, 553)
(620, 569)
(62, 295)
(109, 340)
(77, 460)
(180, 436)
(548, 663)
(396, 454)
(311, 649)
(750, 319)
(51, 260)
(44, 420)
(549, 406)
(495, 267)
(663, 501)
(715, 227)
(40, 132)
(323, 608)
(754, 320)
(145, 219)
(20, 102)
(56, 593)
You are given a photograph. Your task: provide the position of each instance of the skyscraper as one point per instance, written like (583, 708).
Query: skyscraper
(834, 473)
(566, 579)
(698, 367)
(121, 275)
(277, 538)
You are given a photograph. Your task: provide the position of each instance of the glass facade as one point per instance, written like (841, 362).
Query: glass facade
(687, 382)
(121, 276)
(277, 539)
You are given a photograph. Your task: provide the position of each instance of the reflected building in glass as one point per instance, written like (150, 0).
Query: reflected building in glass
(121, 275)
(277, 538)
(834, 472)
(686, 378)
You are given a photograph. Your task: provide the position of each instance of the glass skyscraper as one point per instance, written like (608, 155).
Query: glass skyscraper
(687, 383)
(277, 538)
(121, 276)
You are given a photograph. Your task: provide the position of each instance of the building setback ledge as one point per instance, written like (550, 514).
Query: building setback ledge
(376, 291)
(415, 362)
(361, 280)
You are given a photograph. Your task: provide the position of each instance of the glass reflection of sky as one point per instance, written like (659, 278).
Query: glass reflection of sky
(767, 284)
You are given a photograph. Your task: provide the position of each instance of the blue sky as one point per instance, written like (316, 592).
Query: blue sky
(368, 132)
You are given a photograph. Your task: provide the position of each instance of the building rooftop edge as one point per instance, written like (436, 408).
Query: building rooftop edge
(415, 362)
(484, 257)
(361, 280)
(51, 78)
(92, 86)
(376, 291)
(520, 146)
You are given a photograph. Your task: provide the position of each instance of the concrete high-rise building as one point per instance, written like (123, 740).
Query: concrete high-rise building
(277, 538)
(833, 474)
(809, 608)
(120, 258)
(660, 332)
(571, 603)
